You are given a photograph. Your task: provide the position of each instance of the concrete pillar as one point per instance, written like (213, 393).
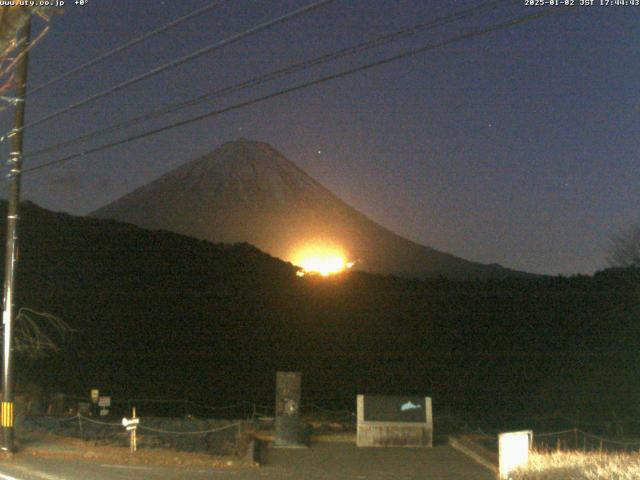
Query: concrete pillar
(288, 429)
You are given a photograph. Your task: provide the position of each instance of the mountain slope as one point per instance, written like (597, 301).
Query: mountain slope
(249, 192)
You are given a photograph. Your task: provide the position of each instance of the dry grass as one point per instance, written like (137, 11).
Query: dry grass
(580, 465)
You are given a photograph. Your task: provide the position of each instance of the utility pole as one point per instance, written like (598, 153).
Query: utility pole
(11, 257)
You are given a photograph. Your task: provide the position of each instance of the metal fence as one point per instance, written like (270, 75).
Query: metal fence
(214, 436)
(577, 439)
(178, 424)
(164, 407)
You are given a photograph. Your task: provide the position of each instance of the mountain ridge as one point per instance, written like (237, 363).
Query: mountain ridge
(247, 191)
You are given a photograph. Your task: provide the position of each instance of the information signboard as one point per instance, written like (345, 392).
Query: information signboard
(394, 421)
(378, 408)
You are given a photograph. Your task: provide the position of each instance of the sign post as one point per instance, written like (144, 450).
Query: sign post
(131, 424)
(104, 403)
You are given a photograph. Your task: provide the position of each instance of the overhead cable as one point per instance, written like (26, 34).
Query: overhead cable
(174, 63)
(124, 46)
(301, 86)
(273, 75)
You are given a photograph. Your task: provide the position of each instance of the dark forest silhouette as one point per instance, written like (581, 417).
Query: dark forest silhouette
(160, 314)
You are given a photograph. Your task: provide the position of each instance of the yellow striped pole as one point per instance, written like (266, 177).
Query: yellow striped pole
(11, 232)
(7, 415)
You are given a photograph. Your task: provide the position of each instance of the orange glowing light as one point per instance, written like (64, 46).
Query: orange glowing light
(320, 259)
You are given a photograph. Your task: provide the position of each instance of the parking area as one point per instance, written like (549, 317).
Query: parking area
(346, 461)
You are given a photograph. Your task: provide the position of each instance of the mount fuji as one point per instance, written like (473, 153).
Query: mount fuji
(247, 191)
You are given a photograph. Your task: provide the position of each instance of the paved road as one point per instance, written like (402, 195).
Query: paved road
(336, 461)
(34, 468)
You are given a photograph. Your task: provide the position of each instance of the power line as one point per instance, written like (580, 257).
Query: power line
(285, 91)
(127, 45)
(273, 75)
(184, 59)
(344, 73)
(9, 69)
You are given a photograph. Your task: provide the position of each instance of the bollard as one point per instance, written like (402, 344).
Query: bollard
(513, 451)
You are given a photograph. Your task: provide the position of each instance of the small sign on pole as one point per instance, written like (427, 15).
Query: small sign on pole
(95, 394)
(131, 424)
(104, 403)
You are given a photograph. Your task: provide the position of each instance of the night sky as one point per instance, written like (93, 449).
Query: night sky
(519, 147)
